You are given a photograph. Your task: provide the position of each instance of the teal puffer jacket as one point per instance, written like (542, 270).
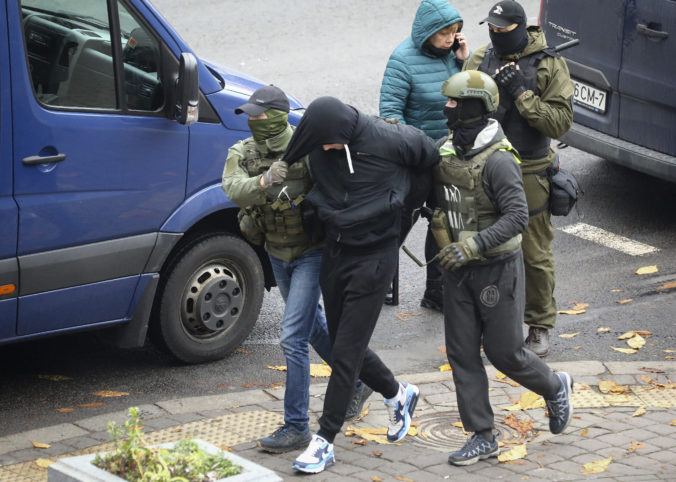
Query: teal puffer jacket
(411, 88)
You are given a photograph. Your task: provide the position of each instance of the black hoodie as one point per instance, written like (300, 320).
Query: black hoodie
(361, 208)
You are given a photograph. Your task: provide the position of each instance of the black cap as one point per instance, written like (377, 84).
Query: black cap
(264, 98)
(505, 13)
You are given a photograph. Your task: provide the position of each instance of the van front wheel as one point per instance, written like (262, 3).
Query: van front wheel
(210, 296)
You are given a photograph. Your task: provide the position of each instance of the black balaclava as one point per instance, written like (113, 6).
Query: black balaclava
(326, 121)
(506, 43)
(466, 120)
(436, 51)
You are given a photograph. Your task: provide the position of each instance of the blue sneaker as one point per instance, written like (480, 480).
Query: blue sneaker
(285, 439)
(317, 456)
(476, 448)
(559, 406)
(400, 409)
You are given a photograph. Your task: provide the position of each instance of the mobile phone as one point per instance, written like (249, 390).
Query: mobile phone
(456, 45)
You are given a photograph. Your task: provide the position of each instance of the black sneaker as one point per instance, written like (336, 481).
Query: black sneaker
(559, 406)
(285, 439)
(476, 448)
(433, 299)
(357, 402)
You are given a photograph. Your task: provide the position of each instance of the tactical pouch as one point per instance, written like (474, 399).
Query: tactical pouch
(564, 189)
(312, 225)
(249, 228)
(441, 230)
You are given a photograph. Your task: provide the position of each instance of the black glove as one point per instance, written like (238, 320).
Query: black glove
(275, 174)
(511, 80)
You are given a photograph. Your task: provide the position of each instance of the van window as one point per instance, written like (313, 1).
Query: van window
(71, 57)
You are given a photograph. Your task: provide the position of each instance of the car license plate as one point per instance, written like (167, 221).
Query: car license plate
(590, 97)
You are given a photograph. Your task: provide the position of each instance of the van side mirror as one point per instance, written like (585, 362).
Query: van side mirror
(187, 90)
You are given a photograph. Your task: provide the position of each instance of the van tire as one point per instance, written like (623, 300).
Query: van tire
(209, 298)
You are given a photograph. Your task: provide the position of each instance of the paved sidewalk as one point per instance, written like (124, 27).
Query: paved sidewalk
(642, 447)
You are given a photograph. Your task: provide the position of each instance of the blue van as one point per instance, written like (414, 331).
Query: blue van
(624, 71)
(113, 138)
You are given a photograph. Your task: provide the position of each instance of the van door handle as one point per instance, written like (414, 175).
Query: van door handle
(35, 160)
(644, 30)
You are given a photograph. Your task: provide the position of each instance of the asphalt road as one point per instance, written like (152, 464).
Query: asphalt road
(339, 48)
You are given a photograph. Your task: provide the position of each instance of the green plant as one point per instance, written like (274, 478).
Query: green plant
(136, 461)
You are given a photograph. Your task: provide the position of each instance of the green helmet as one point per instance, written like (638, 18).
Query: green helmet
(472, 84)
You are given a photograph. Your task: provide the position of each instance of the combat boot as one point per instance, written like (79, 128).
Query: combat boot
(538, 341)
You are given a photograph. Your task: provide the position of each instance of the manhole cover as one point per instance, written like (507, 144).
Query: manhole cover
(437, 432)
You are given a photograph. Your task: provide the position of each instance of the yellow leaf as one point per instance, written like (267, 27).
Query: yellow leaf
(65, 409)
(55, 378)
(445, 368)
(596, 467)
(669, 351)
(569, 335)
(603, 329)
(571, 312)
(609, 386)
(110, 393)
(378, 435)
(375, 478)
(581, 306)
(628, 351)
(647, 270)
(90, 405)
(406, 316)
(584, 432)
(515, 453)
(528, 401)
(511, 383)
(281, 368)
(669, 357)
(405, 479)
(577, 347)
(639, 411)
(616, 291)
(636, 342)
(40, 445)
(635, 446)
(673, 423)
(624, 302)
(500, 375)
(667, 286)
(626, 335)
(319, 370)
(43, 463)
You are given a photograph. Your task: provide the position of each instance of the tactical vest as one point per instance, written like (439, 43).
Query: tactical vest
(461, 196)
(280, 218)
(528, 141)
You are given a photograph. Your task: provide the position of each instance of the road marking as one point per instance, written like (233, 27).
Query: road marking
(608, 239)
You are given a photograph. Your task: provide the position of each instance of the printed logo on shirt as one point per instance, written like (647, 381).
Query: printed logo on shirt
(490, 296)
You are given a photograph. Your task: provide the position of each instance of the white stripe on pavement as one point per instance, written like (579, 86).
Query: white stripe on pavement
(608, 239)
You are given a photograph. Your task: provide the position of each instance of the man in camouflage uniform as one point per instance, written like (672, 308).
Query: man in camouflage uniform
(274, 212)
(535, 106)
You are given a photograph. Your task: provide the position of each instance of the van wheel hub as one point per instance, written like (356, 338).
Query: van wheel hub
(212, 301)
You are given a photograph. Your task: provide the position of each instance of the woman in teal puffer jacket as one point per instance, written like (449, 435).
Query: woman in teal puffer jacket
(411, 92)
(411, 88)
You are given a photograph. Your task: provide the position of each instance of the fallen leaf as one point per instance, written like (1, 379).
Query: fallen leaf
(580, 306)
(442, 348)
(515, 462)
(673, 423)
(405, 479)
(569, 335)
(500, 375)
(584, 432)
(110, 393)
(669, 351)
(596, 467)
(377, 454)
(628, 351)
(528, 401)
(375, 478)
(378, 435)
(242, 350)
(667, 286)
(515, 453)
(636, 342)
(647, 270)
(639, 411)
(359, 442)
(89, 405)
(635, 446)
(603, 329)
(651, 370)
(616, 291)
(65, 409)
(571, 312)
(319, 370)
(406, 316)
(445, 368)
(43, 463)
(40, 445)
(511, 383)
(577, 347)
(669, 357)
(55, 378)
(280, 368)
(624, 302)
(609, 386)
(524, 427)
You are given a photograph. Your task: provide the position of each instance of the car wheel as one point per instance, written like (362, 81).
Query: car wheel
(209, 298)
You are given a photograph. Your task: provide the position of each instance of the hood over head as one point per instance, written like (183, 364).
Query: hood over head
(327, 120)
(432, 16)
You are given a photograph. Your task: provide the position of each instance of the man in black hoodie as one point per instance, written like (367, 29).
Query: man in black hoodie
(361, 167)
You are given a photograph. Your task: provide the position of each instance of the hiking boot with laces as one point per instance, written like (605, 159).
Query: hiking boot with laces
(476, 448)
(357, 402)
(559, 407)
(285, 439)
(317, 456)
(400, 410)
(537, 341)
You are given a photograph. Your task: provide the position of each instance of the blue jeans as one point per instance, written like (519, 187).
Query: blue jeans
(303, 323)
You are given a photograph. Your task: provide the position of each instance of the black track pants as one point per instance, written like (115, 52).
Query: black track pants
(486, 304)
(353, 286)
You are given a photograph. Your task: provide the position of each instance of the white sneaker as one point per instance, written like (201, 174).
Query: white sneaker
(400, 410)
(317, 456)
